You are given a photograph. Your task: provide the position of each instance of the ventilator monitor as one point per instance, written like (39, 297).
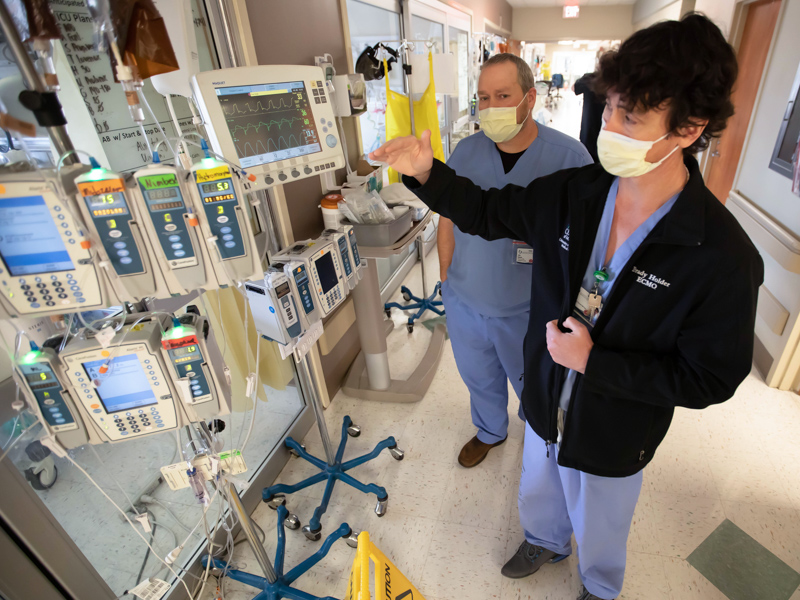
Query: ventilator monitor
(275, 121)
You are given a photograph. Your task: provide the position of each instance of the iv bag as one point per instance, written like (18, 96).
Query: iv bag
(142, 37)
(34, 19)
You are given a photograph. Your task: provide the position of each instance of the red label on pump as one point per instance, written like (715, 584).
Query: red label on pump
(179, 342)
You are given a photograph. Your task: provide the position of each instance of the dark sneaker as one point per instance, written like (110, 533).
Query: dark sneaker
(585, 595)
(528, 560)
(474, 451)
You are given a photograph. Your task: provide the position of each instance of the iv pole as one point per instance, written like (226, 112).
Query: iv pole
(58, 133)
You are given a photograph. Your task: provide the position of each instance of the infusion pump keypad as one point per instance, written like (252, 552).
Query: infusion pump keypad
(132, 399)
(44, 266)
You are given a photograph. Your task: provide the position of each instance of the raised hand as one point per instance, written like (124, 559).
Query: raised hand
(408, 155)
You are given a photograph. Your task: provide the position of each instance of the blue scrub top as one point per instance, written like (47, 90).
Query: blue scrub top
(485, 275)
(614, 266)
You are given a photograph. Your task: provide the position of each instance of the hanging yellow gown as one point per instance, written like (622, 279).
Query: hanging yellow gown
(398, 119)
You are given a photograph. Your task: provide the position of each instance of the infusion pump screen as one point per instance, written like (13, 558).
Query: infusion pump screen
(327, 272)
(124, 386)
(30, 240)
(269, 122)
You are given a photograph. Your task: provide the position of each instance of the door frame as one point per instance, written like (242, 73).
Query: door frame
(738, 23)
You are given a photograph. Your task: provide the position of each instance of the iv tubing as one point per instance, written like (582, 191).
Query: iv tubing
(254, 396)
(14, 443)
(152, 114)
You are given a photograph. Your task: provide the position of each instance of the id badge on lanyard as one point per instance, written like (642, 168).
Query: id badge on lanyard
(522, 253)
(589, 304)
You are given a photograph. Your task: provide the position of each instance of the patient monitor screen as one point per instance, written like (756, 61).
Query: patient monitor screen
(124, 386)
(30, 241)
(269, 122)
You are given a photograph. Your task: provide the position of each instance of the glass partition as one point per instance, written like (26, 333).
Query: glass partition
(130, 472)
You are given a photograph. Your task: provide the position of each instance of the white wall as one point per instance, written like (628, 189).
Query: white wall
(546, 24)
(764, 187)
(644, 9)
(719, 11)
(671, 12)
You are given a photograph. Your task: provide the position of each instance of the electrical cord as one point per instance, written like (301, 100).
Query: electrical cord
(175, 518)
(122, 512)
(114, 479)
(147, 554)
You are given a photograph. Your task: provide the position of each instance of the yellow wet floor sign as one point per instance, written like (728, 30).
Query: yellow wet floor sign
(390, 583)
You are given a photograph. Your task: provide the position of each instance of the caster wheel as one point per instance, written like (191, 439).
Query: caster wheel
(276, 501)
(380, 509)
(410, 327)
(396, 453)
(292, 522)
(294, 452)
(314, 536)
(352, 539)
(406, 297)
(354, 431)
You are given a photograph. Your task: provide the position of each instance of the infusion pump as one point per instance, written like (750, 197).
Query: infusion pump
(316, 268)
(48, 266)
(134, 387)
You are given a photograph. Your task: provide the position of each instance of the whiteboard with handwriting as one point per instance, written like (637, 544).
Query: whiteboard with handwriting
(121, 139)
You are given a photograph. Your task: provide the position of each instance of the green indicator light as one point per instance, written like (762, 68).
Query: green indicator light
(96, 174)
(208, 163)
(177, 332)
(31, 357)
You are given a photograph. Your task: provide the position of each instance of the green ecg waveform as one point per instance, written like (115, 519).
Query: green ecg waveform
(269, 124)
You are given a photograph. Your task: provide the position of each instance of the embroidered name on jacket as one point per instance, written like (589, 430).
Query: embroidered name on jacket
(564, 239)
(649, 280)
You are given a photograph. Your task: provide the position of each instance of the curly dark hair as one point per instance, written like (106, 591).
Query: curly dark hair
(685, 65)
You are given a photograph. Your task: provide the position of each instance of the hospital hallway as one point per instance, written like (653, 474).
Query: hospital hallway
(718, 517)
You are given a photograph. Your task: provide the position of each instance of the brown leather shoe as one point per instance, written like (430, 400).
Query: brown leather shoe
(474, 451)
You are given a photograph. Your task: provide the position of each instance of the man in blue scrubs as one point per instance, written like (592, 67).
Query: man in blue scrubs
(486, 286)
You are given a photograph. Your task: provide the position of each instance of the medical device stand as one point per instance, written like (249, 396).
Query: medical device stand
(332, 469)
(419, 304)
(275, 584)
(369, 377)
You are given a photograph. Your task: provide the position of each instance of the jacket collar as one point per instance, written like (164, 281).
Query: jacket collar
(683, 225)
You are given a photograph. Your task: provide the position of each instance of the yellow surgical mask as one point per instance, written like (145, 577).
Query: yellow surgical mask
(623, 156)
(499, 123)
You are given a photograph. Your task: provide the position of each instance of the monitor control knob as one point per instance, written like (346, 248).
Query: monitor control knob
(269, 180)
(295, 173)
(308, 171)
(331, 140)
(282, 177)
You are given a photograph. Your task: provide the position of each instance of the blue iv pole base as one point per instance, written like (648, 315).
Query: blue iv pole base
(418, 304)
(282, 587)
(332, 474)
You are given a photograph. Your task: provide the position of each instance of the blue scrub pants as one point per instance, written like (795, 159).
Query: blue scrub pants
(555, 502)
(488, 353)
